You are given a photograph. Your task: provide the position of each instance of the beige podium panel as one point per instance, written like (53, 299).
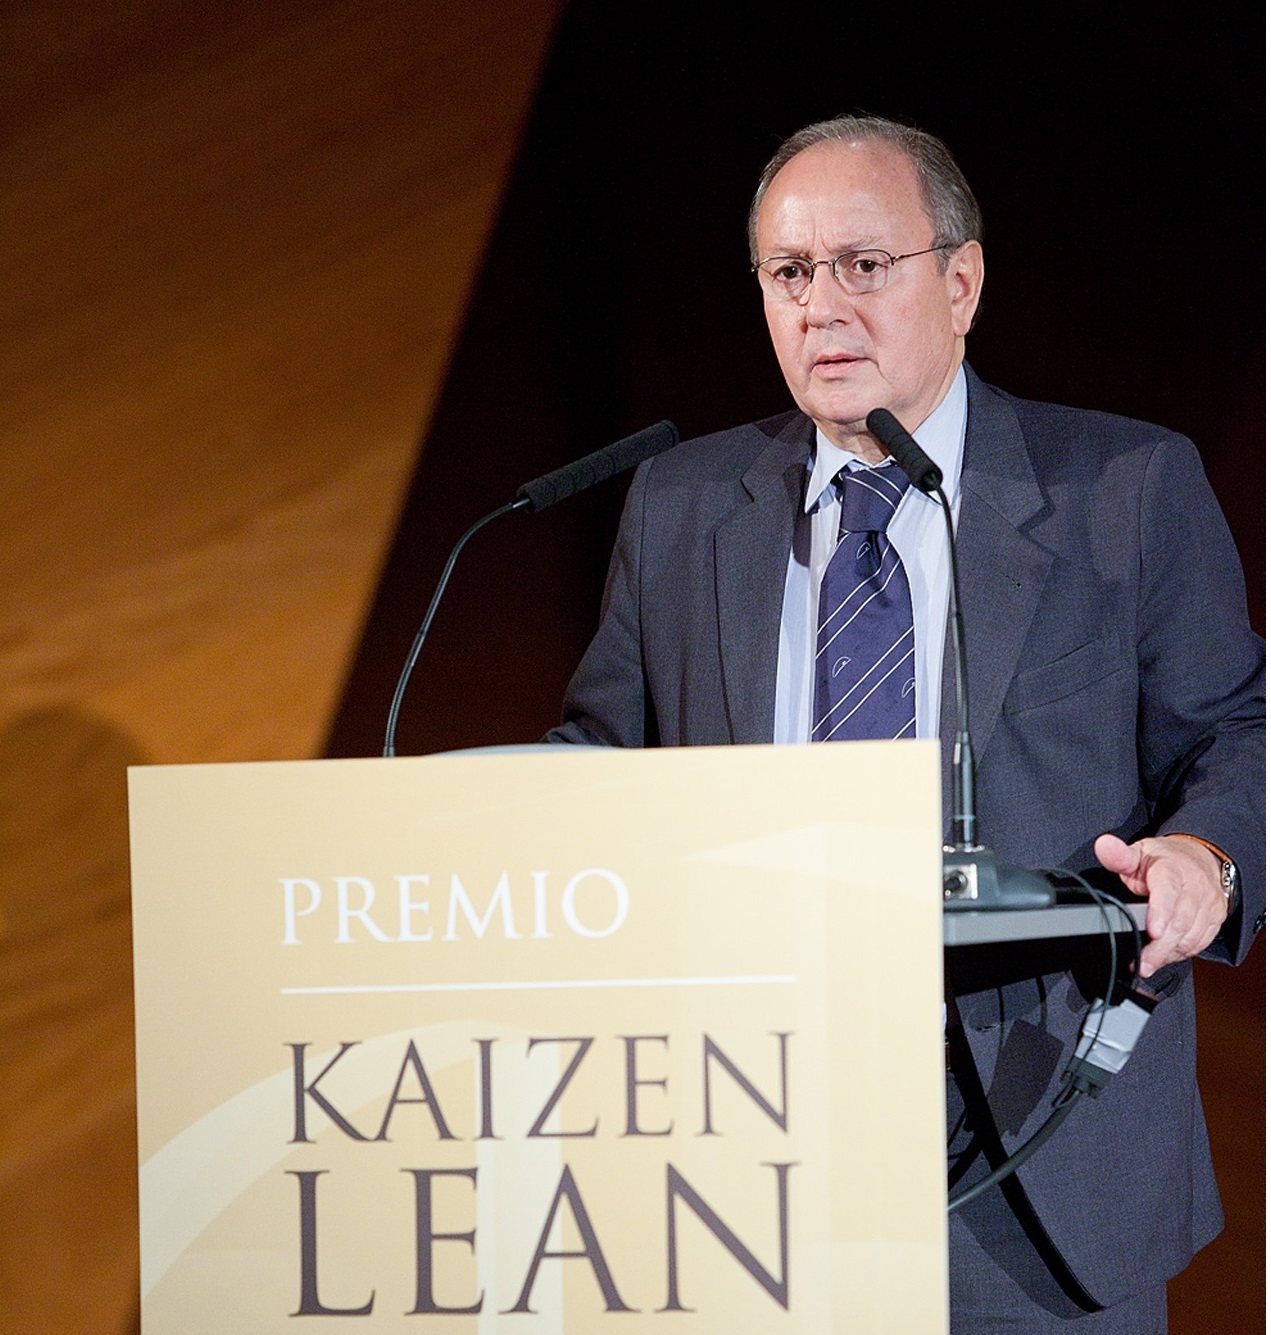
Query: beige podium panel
(570, 1041)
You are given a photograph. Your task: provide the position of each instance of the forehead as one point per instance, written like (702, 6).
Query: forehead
(843, 194)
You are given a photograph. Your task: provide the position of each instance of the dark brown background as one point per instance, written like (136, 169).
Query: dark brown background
(294, 292)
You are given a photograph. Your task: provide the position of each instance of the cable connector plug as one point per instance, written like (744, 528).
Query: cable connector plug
(1108, 1037)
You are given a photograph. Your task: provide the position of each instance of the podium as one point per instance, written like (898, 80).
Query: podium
(559, 1041)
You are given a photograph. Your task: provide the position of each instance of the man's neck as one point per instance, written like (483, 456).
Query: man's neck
(860, 443)
(854, 438)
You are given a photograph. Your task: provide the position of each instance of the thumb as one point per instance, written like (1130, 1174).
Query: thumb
(1116, 855)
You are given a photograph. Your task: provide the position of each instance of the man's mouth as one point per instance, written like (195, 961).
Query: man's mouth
(835, 361)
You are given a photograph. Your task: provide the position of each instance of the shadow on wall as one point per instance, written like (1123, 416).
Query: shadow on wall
(68, 1150)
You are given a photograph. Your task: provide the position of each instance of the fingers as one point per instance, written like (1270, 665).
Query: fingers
(1186, 905)
(1175, 938)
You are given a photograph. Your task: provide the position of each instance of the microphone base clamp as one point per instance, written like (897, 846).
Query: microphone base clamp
(974, 879)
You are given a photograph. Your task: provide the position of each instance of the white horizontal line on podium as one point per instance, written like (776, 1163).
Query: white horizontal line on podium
(541, 985)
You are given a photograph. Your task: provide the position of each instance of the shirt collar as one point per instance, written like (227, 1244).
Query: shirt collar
(942, 435)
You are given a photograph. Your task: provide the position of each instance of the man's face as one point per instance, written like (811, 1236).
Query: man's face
(844, 354)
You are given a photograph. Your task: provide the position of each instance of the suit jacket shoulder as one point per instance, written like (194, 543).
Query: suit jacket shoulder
(686, 651)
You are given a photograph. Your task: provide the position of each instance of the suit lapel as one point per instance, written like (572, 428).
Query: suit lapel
(1002, 571)
(752, 549)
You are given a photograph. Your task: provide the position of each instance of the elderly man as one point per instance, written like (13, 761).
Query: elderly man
(1115, 686)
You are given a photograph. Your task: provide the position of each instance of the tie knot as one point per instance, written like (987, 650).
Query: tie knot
(870, 497)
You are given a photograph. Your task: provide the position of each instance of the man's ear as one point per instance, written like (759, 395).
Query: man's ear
(964, 279)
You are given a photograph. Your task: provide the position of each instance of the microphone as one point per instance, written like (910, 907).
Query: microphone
(597, 467)
(906, 451)
(973, 877)
(533, 497)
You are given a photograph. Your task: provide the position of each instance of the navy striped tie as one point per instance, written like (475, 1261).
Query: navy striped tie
(863, 683)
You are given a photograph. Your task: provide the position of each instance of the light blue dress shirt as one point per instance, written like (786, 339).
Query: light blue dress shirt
(917, 533)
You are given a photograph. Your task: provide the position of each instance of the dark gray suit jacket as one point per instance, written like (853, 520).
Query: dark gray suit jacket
(1115, 685)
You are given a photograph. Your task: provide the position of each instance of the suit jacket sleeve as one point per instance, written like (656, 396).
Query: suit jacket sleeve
(606, 700)
(1202, 705)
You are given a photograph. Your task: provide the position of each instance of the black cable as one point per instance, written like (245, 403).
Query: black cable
(1025, 1151)
(1100, 898)
(1069, 1092)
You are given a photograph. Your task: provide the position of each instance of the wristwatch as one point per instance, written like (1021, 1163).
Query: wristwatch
(1228, 873)
(1229, 879)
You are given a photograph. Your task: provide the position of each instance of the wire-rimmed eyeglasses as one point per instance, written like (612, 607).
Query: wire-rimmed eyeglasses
(790, 276)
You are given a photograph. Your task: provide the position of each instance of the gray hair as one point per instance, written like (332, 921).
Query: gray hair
(949, 203)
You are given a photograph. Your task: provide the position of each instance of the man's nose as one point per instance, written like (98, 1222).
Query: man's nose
(826, 300)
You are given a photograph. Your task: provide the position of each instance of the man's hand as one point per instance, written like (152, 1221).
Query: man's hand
(1181, 881)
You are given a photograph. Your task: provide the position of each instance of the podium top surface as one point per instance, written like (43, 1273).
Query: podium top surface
(979, 927)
